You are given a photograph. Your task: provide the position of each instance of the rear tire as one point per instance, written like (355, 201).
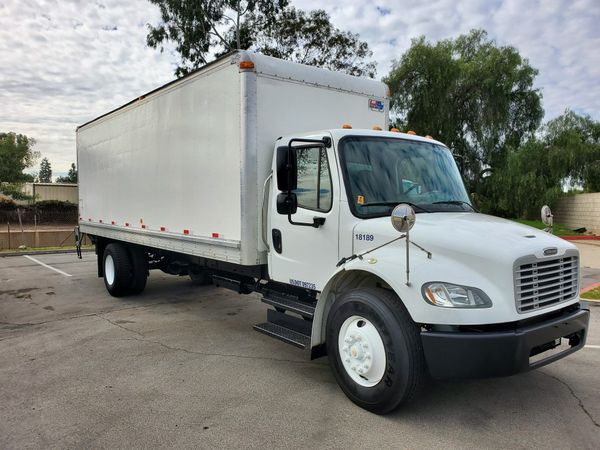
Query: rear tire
(117, 270)
(139, 270)
(375, 350)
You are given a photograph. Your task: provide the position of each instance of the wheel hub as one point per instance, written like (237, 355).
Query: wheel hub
(362, 351)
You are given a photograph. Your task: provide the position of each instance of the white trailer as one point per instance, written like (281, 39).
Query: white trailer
(266, 176)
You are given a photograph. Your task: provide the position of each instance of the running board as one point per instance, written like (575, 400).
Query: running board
(284, 334)
(289, 303)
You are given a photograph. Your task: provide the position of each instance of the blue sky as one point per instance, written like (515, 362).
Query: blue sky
(65, 62)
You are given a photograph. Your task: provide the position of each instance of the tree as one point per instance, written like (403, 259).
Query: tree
(473, 95)
(45, 175)
(16, 155)
(196, 26)
(71, 176)
(307, 38)
(200, 29)
(566, 153)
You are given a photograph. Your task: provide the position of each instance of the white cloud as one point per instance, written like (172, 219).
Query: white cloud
(65, 62)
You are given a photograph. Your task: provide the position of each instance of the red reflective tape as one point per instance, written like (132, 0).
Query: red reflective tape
(112, 222)
(215, 235)
(143, 226)
(89, 219)
(163, 229)
(101, 221)
(186, 231)
(126, 224)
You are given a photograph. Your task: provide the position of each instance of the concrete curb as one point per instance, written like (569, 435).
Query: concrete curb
(44, 252)
(581, 238)
(589, 288)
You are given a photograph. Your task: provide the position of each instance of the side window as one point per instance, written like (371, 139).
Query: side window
(314, 179)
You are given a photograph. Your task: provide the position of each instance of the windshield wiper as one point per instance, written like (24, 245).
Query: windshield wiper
(455, 202)
(394, 204)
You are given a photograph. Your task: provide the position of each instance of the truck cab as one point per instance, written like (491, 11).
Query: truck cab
(465, 295)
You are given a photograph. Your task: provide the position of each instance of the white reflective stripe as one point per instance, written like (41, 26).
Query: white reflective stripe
(47, 266)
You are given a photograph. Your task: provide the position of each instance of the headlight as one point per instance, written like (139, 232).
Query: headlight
(449, 295)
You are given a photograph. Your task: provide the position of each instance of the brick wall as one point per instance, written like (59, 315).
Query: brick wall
(579, 211)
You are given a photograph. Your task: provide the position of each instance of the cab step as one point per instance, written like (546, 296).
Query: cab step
(289, 303)
(284, 334)
(286, 328)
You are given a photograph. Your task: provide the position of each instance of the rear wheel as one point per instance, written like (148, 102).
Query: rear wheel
(117, 270)
(139, 270)
(374, 349)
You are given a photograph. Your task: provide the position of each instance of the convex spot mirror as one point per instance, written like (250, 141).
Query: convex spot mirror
(287, 169)
(547, 216)
(403, 217)
(287, 203)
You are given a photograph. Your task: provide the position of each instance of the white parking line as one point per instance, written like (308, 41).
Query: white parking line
(592, 346)
(47, 266)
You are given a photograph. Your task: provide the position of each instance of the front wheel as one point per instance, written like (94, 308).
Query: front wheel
(375, 349)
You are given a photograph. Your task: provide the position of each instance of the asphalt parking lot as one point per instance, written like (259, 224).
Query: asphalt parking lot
(180, 366)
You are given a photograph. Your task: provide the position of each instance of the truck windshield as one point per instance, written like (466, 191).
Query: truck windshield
(381, 172)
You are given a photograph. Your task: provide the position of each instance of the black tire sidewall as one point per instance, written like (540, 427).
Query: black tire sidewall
(392, 389)
(121, 284)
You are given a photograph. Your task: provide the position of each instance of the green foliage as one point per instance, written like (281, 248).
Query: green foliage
(268, 26)
(15, 191)
(71, 176)
(471, 94)
(195, 26)
(16, 154)
(594, 294)
(557, 229)
(567, 153)
(307, 38)
(45, 175)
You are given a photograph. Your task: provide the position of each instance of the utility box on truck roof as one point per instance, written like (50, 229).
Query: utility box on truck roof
(182, 168)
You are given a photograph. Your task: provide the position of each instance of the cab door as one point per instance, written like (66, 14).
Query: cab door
(303, 248)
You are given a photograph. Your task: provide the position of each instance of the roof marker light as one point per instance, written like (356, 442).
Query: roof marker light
(411, 132)
(394, 130)
(429, 137)
(377, 128)
(246, 65)
(347, 126)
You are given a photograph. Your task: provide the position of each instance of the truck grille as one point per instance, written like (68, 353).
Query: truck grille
(540, 283)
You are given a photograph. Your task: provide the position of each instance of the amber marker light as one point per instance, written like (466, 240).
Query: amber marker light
(377, 128)
(347, 126)
(246, 65)
(394, 130)
(411, 132)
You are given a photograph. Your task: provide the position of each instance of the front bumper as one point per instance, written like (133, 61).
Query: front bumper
(480, 354)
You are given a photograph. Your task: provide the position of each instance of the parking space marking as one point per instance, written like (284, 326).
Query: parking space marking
(47, 266)
(592, 346)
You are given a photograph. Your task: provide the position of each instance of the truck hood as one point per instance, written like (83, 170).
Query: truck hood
(465, 234)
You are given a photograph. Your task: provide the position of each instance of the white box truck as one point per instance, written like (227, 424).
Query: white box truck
(241, 174)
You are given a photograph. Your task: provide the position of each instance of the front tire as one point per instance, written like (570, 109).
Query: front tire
(374, 349)
(117, 270)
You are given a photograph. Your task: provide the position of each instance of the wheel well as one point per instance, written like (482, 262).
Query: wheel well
(337, 286)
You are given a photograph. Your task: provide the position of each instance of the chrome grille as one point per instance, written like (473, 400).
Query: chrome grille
(540, 283)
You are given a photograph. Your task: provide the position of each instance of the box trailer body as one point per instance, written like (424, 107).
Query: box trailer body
(248, 174)
(183, 168)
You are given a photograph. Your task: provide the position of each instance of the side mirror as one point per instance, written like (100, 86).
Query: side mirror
(403, 217)
(287, 169)
(287, 203)
(547, 216)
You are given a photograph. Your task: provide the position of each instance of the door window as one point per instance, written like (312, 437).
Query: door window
(314, 189)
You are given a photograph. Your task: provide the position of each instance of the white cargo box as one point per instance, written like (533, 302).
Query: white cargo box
(182, 168)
